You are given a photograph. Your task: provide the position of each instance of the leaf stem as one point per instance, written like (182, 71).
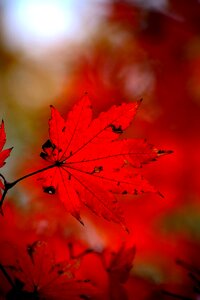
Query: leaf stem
(9, 185)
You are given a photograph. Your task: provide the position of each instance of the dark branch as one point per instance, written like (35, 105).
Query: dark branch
(9, 185)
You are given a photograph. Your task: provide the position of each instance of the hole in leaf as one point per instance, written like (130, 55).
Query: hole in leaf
(97, 169)
(49, 190)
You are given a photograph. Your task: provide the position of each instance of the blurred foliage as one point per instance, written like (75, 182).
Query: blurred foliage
(136, 52)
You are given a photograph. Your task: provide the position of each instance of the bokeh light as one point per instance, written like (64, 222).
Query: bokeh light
(44, 23)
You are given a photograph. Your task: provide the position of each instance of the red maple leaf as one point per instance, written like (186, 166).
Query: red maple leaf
(90, 164)
(3, 153)
(35, 274)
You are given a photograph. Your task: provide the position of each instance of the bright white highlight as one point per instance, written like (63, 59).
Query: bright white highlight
(44, 19)
(41, 22)
(36, 25)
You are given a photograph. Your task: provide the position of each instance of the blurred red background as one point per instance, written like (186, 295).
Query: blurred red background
(136, 50)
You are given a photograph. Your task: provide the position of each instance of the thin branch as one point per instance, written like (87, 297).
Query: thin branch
(9, 185)
(4, 180)
(30, 174)
(2, 200)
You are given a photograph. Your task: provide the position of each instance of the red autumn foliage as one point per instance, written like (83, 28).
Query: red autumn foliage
(118, 266)
(90, 164)
(3, 153)
(169, 43)
(35, 274)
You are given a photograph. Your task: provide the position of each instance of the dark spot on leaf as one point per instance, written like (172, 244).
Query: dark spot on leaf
(154, 159)
(43, 155)
(49, 189)
(97, 169)
(115, 129)
(162, 152)
(31, 249)
(47, 144)
(135, 192)
(124, 192)
(69, 176)
(60, 272)
(114, 201)
(63, 130)
(118, 184)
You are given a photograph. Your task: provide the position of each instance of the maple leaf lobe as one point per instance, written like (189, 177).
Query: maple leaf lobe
(3, 153)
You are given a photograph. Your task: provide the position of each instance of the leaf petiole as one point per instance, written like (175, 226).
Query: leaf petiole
(9, 185)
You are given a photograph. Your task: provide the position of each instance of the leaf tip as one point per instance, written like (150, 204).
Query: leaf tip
(2, 124)
(52, 107)
(77, 216)
(163, 152)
